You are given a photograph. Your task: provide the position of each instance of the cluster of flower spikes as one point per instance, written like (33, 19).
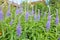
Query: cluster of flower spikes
(27, 16)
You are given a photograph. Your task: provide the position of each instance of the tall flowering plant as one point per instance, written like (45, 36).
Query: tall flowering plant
(48, 22)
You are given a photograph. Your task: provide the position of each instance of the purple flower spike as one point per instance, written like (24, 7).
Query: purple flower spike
(38, 15)
(57, 18)
(17, 11)
(27, 15)
(35, 17)
(1, 14)
(48, 23)
(18, 29)
(8, 12)
(33, 11)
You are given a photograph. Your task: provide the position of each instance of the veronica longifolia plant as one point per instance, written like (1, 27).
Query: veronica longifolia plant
(48, 22)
